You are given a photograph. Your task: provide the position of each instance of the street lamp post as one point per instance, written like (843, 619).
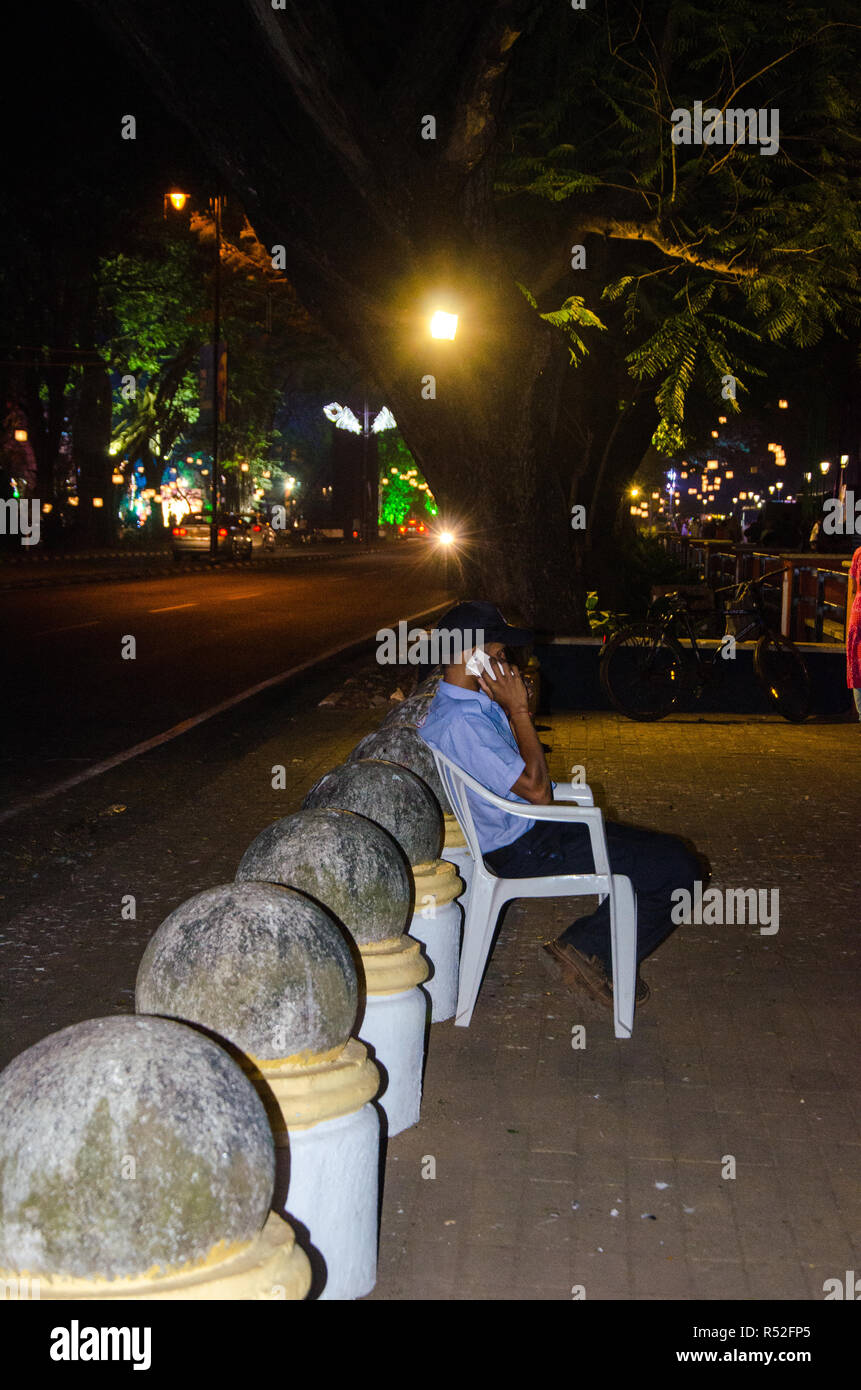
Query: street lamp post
(366, 481)
(178, 201)
(216, 402)
(343, 418)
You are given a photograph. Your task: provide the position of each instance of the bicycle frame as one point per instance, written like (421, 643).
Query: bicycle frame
(679, 614)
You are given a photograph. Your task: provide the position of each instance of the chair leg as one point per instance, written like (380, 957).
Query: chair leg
(623, 937)
(477, 936)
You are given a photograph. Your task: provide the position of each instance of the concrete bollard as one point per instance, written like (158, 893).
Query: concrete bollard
(137, 1163)
(456, 851)
(398, 740)
(437, 918)
(401, 744)
(410, 712)
(405, 806)
(355, 869)
(437, 921)
(272, 973)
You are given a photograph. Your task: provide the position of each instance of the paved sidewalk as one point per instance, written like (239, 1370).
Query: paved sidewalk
(602, 1168)
(748, 1046)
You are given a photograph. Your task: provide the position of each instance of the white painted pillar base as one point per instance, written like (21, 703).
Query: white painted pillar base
(327, 1143)
(456, 851)
(436, 922)
(394, 1026)
(333, 1191)
(463, 861)
(439, 932)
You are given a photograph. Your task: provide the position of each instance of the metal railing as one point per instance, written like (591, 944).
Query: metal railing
(807, 599)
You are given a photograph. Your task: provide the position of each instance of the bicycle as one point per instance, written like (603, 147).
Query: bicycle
(646, 672)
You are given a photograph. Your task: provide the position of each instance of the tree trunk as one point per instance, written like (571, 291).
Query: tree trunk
(379, 229)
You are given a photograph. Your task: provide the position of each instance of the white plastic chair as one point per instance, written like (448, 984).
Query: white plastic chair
(489, 892)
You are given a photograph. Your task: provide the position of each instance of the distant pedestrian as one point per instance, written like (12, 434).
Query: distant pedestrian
(853, 630)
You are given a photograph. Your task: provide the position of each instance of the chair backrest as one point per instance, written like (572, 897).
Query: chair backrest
(456, 781)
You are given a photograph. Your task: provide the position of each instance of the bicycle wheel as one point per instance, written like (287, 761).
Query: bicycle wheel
(642, 672)
(780, 670)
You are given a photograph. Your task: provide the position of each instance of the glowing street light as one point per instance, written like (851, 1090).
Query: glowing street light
(178, 200)
(443, 325)
(20, 436)
(824, 466)
(783, 405)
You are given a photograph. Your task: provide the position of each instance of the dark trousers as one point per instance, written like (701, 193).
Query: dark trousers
(656, 864)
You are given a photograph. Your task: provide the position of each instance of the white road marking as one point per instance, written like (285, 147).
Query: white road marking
(186, 724)
(49, 631)
(171, 607)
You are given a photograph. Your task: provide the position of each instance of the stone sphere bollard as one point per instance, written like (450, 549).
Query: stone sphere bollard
(390, 795)
(438, 916)
(356, 870)
(404, 805)
(272, 973)
(136, 1162)
(413, 710)
(401, 744)
(411, 714)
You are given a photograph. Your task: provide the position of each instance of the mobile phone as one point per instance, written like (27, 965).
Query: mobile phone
(480, 664)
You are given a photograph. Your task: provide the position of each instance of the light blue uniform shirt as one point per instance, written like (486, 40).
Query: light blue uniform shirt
(468, 727)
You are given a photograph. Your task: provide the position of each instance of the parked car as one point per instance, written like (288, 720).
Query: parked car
(263, 535)
(191, 536)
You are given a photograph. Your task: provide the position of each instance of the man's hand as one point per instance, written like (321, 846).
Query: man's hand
(507, 690)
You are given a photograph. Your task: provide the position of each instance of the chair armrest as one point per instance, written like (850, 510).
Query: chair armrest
(573, 791)
(584, 814)
(590, 816)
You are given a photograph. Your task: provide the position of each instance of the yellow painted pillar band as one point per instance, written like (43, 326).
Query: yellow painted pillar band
(272, 1266)
(454, 836)
(297, 1097)
(437, 883)
(394, 965)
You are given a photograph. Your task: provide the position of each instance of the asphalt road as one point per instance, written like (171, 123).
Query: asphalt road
(71, 699)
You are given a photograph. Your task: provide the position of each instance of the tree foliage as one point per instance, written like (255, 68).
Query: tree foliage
(552, 131)
(722, 246)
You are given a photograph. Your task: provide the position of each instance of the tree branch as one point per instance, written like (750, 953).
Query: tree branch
(303, 40)
(679, 250)
(628, 229)
(481, 94)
